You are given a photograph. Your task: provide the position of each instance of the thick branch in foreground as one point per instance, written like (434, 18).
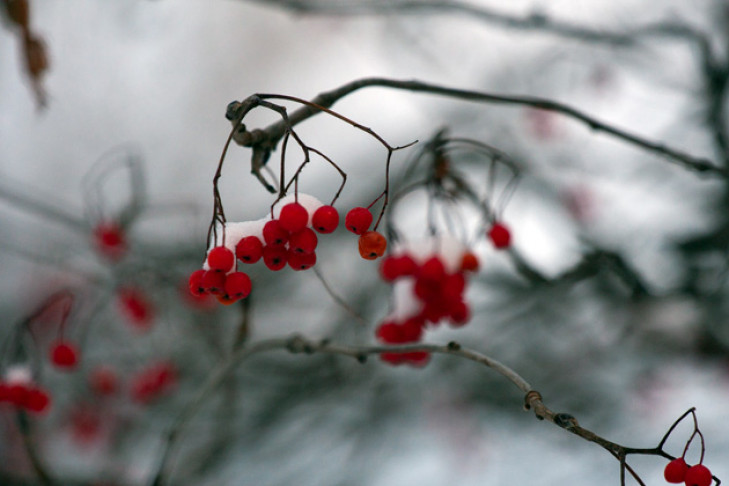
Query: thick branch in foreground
(300, 345)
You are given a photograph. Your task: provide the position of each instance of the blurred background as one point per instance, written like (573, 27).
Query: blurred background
(613, 303)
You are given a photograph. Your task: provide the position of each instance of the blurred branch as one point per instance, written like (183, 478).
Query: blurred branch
(536, 21)
(39, 468)
(39, 206)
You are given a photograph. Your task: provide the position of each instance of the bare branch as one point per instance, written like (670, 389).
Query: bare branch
(270, 136)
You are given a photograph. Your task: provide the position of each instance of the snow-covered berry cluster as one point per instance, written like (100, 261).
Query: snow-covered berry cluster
(288, 236)
(429, 282)
(19, 390)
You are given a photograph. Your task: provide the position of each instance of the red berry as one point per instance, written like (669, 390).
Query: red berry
(237, 285)
(427, 290)
(221, 259)
(388, 332)
(196, 283)
(325, 219)
(110, 241)
(698, 475)
(459, 314)
(500, 236)
(64, 355)
(394, 267)
(303, 241)
(358, 220)
(16, 393)
(274, 234)
(213, 282)
(294, 217)
(249, 249)
(153, 381)
(675, 471)
(412, 330)
(103, 381)
(469, 262)
(275, 258)
(36, 400)
(137, 308)
(432, 270)
(301, 261)
(372, 245)
(453, 287)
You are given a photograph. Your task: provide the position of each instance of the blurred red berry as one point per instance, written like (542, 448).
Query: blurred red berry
(249, 249)
(432, 270)
(325, 219)
(500, 236)
(137, 308)
(64, 355)
(153, 382)
(36, 400)
(358, 220)
(459, 314)
(294, 217)
(196, 283)
(110, 241)
(394, 267)
(469, 262)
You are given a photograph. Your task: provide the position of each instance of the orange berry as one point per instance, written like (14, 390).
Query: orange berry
(372, 245)
(469, 262)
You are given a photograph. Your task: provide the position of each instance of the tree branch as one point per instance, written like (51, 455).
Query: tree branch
(298, 344)
(267, 138)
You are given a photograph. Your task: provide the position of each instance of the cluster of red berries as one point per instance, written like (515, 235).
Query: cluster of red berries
(19, 390)
(677, 471)
(435, 291)
(289, 238)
